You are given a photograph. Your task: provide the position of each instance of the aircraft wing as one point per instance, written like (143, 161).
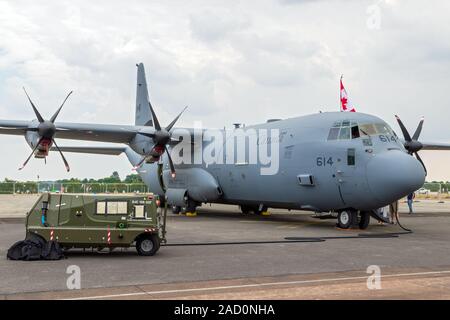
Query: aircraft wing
(435, 146)
(96, 132)
(80, 131)
(15, 127)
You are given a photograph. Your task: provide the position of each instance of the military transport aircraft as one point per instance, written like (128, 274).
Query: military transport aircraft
(349, 163)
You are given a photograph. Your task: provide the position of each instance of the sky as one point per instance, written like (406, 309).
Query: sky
(229, 61)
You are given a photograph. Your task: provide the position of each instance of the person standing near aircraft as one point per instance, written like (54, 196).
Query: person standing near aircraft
(393, 209)
(410, 199)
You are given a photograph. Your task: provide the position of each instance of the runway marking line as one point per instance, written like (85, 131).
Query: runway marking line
(143, 292)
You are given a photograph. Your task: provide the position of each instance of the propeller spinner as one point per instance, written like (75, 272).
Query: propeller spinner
(412, 145)
(46, 130)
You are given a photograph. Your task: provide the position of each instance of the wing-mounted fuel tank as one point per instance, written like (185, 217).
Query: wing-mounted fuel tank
(193, 183)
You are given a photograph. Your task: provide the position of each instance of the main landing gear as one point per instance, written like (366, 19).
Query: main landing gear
(190, 209)
(258, 210)
(352, 218)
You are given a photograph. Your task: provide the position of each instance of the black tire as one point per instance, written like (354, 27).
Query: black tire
(364, 220)
(147, 245)
(176, 209)
(345, 219)
(259, 211)
(247, 209)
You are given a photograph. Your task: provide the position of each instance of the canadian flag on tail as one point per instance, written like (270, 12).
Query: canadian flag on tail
(346, 105)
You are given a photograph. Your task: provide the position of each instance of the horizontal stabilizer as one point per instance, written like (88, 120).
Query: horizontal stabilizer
(112, 151)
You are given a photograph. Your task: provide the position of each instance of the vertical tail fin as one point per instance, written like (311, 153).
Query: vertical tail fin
(143, 114)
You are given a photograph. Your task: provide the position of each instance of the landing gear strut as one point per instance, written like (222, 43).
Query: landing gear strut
(364, 220)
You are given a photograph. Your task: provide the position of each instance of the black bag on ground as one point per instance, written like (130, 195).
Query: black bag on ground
(52, 251)
(35, 247)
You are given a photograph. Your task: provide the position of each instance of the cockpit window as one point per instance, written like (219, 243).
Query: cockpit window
(344, 134)
(344, 130)
(334, 134)
(381, 128)
(367, 129)
(355, 132)
(347, 129)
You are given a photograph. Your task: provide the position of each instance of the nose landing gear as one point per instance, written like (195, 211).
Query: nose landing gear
(353, 219)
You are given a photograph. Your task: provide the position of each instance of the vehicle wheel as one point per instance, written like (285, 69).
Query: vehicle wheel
(147, 245)
(345, 219)
(364, 220)
(176, 209)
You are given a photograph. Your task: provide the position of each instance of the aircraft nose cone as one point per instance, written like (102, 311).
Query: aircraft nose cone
(394, 174)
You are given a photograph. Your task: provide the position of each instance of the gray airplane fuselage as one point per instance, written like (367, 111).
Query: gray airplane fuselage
(316, 171)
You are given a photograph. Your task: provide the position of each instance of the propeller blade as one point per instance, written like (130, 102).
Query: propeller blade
(170, 126)
(53, 118)
(155, 119)
(36, 112)
(29, 157)
(62, 156)
(418, 130)
(420, 160)
(141, 162)
(402, 127)
(172, 168)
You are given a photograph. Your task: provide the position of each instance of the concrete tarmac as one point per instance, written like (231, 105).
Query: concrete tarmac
(416, 265)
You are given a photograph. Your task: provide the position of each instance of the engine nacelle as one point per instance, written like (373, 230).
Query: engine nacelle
(33, 139)
(200, 185)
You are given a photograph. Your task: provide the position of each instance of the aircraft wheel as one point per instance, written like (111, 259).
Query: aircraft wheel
(176, 209)
(147, 245)
(345, 219)
(261, 211)
(364, 220)
(246, 209)
(191, 208)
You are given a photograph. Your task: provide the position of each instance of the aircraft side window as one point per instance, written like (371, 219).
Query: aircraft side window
(344, 134)
(351, 157)
(355, 132)
(333, 134)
